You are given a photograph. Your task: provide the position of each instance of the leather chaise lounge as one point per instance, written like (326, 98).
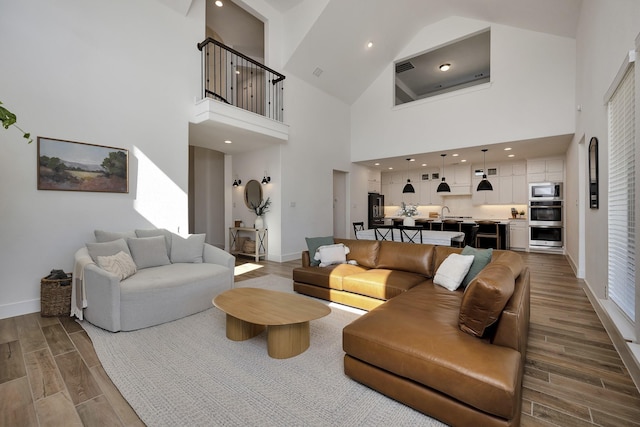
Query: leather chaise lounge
(457, 356)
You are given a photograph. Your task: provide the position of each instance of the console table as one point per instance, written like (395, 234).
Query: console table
(259, 235)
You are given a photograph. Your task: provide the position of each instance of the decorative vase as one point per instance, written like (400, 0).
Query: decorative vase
(259, 224)
(409, 221)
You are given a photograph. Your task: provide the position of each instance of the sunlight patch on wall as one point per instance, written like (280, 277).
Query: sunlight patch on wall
(158, 199)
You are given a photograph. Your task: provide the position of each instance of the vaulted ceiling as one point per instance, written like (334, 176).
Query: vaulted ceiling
(336, 40)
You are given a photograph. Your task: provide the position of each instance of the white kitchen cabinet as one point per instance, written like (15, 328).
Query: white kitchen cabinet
(373, 181)
(512, 183)
(505, 189)
(459, 180)
(518, 235)
(545, 170)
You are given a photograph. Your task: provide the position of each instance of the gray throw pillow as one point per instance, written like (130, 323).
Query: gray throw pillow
(187, 250)
(313, 243)
(148, 251)
(107, 249)
(481, 257)
(109, 236)
(153, 232)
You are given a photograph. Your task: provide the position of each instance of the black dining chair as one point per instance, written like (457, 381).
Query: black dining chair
(358, 226)
(384, 232)
(409, 234)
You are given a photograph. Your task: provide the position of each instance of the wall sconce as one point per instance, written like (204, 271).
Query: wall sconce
(266, 179)
(237, 182)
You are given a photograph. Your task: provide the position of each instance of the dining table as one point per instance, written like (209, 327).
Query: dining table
(431, 237)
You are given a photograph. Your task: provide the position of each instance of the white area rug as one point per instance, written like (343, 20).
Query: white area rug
(187, 373)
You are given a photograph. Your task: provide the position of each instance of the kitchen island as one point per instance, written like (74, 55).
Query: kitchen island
(464, 224)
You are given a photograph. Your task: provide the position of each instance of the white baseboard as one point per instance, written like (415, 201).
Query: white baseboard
(19, 308)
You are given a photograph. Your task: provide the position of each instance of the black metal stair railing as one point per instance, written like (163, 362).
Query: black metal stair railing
(235, 79)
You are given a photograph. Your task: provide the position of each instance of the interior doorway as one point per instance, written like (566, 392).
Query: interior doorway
(340, 204)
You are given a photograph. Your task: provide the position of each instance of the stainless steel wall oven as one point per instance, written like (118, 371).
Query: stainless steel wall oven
(545, 223)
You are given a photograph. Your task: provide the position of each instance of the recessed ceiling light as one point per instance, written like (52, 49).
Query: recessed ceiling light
(218, 3)
(376, 164)
(227, 141)
(370, 44)
(424, 164)
(412, 160)
(390, 168)
(507, 149)
(463, 160)
(511, 155)
(444, 67)
(455, 155)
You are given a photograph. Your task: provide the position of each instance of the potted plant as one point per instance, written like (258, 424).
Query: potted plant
(9, 119)
(408, 211)
(521, 213)
(260, 210)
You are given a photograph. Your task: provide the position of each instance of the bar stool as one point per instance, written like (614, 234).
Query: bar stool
(451, 225)
(488, 230)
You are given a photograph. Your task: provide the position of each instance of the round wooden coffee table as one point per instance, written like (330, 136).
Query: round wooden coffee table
(285, 316)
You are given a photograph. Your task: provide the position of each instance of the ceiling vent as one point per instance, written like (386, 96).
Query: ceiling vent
(401, 67)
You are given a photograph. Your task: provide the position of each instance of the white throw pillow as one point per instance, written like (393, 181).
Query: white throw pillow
(332, 254)
(120, 264)
(452, 271)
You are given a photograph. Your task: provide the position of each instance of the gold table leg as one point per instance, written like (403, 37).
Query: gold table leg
(284, 341)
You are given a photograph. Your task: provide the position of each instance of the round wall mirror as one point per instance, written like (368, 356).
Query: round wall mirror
(252, 193)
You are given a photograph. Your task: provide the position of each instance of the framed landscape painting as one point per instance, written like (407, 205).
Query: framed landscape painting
(77, 166)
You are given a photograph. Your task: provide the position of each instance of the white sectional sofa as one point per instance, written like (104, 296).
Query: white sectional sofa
(173, 277)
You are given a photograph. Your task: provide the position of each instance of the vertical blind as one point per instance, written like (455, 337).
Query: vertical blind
(622, 242)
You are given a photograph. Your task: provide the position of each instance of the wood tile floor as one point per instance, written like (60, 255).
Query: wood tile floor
(50, 375)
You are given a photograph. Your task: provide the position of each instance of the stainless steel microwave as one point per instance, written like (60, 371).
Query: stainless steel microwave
(545, 191)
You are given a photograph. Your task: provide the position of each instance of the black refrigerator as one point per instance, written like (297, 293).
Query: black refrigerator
(376, 210)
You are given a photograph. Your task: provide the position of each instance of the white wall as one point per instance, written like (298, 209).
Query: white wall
(606, 32)
(318, 144)
(531, 95)
(114, 73)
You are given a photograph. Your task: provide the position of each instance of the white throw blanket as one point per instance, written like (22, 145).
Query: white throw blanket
(78, 299)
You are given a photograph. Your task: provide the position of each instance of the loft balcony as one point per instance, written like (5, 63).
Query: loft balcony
(239, 96)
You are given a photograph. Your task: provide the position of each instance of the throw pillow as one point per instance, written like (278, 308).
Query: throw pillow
(313, 243)
(107, 249)
(148, 251)
(120, 264)
(481, 257)
(485, 298)
(153, 232)
(452, 271)
(187, 250)
(109, 236)
(331, 254)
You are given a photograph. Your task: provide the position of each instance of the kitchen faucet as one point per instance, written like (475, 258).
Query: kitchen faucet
(442, 211)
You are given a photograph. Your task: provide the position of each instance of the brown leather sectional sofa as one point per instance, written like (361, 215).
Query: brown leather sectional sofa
(456, 356)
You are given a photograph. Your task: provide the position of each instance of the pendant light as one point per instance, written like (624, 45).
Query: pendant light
(443, 187)
(484, 185)
(408, 188)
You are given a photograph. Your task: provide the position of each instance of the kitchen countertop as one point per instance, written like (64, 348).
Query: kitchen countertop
(462, 220)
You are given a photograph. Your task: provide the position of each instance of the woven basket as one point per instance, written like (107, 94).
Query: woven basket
(55, 296)
(249, 246)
